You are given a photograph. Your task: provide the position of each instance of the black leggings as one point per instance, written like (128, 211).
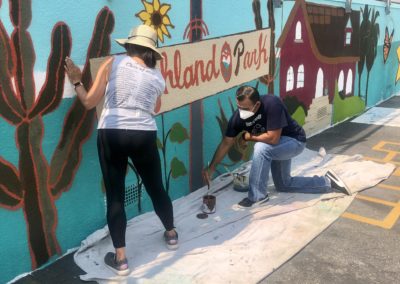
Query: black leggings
(114, 147)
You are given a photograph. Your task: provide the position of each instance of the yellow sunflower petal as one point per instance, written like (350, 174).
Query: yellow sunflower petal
(149, 8)
(148, 22)
(160, 35)
(398, 70)
(165, 30)
(164, 9)
(166, 21)
(156, 5)
(144, 16)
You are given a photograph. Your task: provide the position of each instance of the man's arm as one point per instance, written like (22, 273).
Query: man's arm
(270, 137)
(219, 154)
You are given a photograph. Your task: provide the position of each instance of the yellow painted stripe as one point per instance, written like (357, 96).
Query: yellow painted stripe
(363, 219)
(376, 200)
(379, 146)
(392, 217)
(390, 156)
(387, 186)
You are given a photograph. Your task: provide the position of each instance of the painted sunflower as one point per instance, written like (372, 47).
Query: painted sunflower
(398, 70)
(155, 15)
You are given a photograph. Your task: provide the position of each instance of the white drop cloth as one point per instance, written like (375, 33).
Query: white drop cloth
(233, 245)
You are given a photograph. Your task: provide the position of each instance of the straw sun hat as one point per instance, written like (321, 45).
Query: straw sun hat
(142, 35)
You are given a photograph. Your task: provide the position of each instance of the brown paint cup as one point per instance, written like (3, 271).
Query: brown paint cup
(209, 202)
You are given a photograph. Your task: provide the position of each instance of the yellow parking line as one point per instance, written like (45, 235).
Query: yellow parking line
(392, 217)
(387, 186)
(387, 223)
(370, 221)
(394, 214)
(381, 144)
(376, 200)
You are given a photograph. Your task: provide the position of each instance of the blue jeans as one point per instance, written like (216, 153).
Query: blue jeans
(278, 159)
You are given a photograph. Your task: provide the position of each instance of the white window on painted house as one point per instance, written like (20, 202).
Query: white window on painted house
(298, 36)
(290, 79)
(300, 76)
(341, 81)
(348, 32)
(349, 82)
(319, 85)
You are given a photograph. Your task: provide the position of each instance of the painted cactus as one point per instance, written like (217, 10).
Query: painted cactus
(36, 183)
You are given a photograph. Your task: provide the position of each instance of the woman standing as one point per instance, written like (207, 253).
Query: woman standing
(132, 87)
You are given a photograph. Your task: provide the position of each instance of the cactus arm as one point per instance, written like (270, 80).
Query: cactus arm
(10, 186)
(79, 122)
(21, 15)
(10, 107)
(51, 93)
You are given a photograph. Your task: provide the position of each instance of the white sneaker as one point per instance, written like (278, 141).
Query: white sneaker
(337, 183)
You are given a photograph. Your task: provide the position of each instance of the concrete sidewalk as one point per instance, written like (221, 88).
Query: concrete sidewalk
(362, 246)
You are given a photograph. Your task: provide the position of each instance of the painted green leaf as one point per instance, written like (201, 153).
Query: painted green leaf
(178, 133)
(159, 144)
(178, 168)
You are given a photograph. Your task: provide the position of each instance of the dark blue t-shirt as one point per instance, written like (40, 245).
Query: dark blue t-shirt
(271, 115)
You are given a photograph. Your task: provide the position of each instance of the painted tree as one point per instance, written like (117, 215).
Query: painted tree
(369, 35)
(36, 183)
(195, 31)
(267, 79)
(271, 20)
(363, 44)
(373, 36)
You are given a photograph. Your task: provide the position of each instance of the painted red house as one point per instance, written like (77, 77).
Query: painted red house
(319, 46)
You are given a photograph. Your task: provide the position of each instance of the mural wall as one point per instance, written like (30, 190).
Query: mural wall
(327, 63)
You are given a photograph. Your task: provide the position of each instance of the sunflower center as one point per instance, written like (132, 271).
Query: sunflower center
(156, 19)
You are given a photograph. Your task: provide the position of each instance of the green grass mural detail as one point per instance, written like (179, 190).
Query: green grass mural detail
(299, 115)
(347, 107)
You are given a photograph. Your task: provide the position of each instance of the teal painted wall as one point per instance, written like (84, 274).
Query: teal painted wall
(80, 209)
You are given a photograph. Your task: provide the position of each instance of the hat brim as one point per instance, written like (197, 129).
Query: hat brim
(123, 41)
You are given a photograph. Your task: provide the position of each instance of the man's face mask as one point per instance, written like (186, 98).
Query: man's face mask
(245, 114)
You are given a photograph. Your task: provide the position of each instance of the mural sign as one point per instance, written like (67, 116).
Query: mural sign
(193, 71)
(197, 70)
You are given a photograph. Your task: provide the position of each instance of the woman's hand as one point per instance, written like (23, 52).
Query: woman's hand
(73, 71)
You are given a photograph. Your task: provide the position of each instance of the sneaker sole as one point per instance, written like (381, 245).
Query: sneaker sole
(334, 176)
(172, 247)
(260, 202)
(119, 272)
(266, 199)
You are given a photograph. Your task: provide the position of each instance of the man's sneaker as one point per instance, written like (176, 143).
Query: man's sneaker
(171, 241)
(118, 267)
(337, 183)
(246, 202)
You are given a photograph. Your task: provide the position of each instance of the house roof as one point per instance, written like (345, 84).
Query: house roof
(325, 26)
(328, 25)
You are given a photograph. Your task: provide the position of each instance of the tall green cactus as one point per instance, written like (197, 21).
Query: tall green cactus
(36, 184)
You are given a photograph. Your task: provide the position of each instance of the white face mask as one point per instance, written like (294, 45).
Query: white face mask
(245, 114)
